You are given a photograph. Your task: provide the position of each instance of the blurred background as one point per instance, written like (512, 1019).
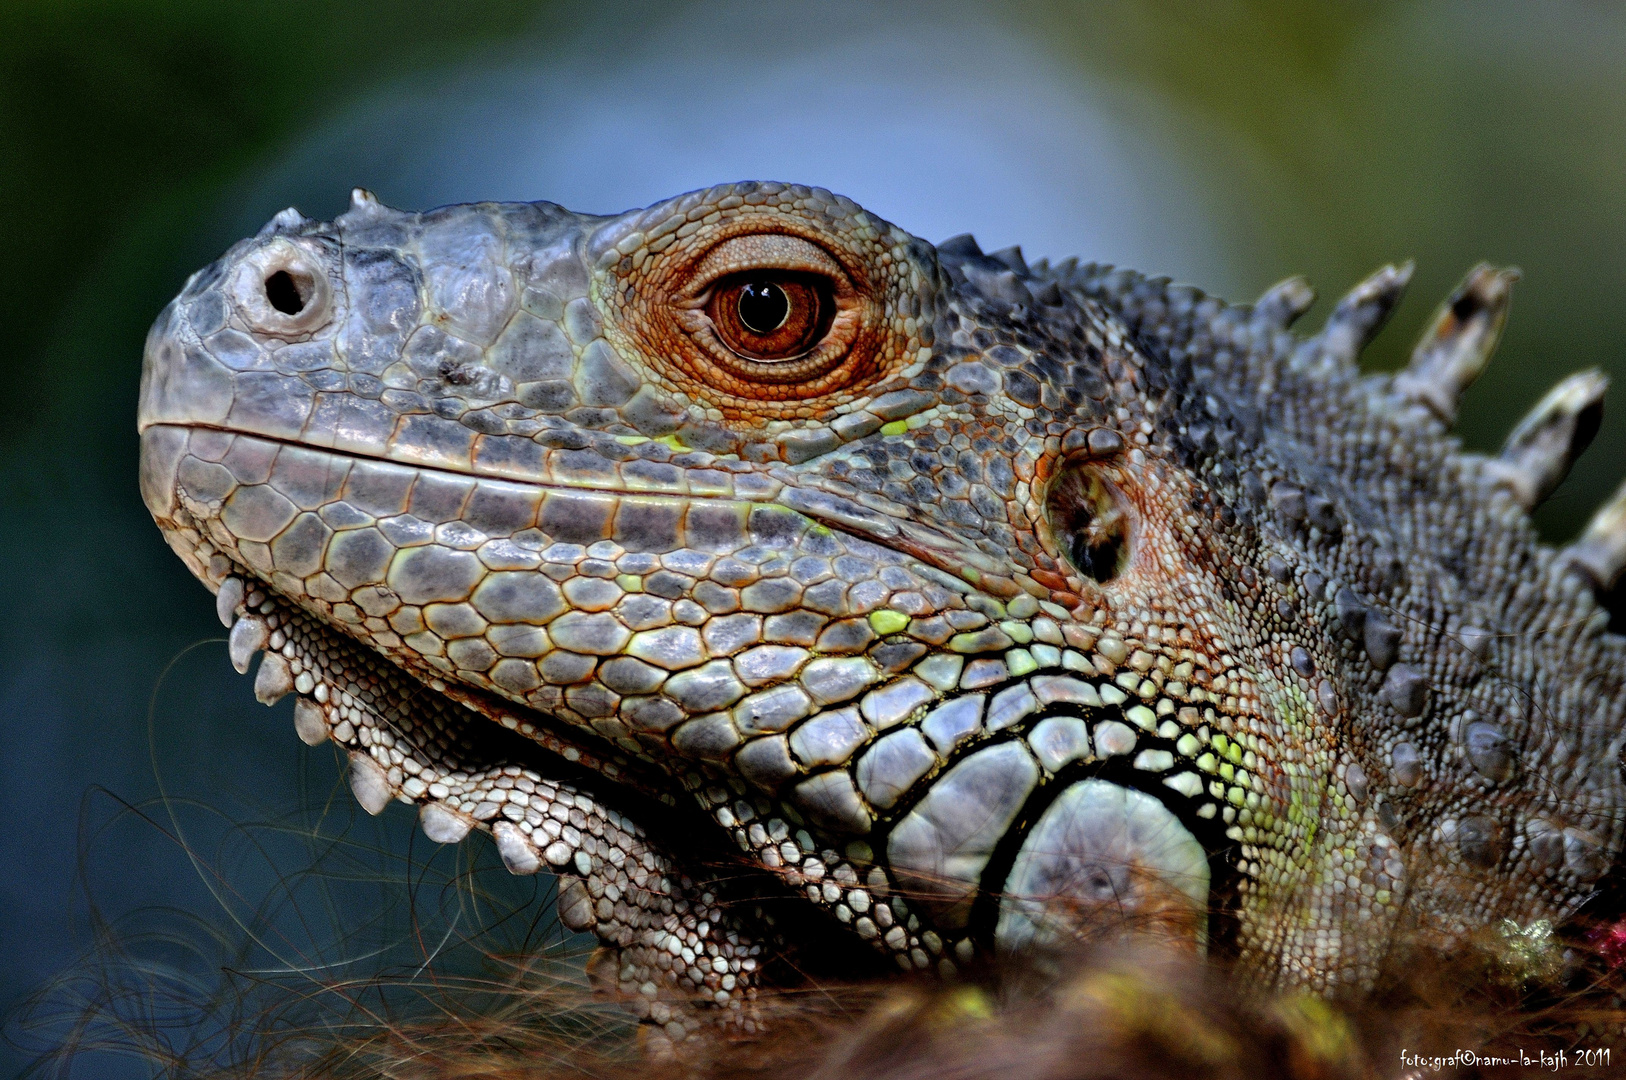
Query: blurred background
(1228, 143)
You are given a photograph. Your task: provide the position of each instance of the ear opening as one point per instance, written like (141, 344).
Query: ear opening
(1090, 522)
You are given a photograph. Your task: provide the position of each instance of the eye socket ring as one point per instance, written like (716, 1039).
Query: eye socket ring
(282, 290)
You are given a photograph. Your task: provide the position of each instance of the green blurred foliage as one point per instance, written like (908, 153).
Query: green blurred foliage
(1450, 131)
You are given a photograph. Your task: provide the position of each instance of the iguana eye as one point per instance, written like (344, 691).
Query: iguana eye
(774, 316)
(765, 302)
(771, 317)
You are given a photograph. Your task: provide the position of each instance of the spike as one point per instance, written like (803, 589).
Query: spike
(310, 723)
(1283, 303)
(284, 221)
(1362, 312)
(248, 636)
(1004, 285)
(1458, 343)
(227, 600)
(1539, 452)
(369, 783)
(515, 848)
(1012, 257)
(363, 201)
(959, 247)
(274, 680)
(1600, 553)
(441, 824)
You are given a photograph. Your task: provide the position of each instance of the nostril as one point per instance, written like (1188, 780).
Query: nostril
(284, 293)
(282, 289)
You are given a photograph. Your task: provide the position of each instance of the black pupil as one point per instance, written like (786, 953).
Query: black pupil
(283, 293)
(764, 307)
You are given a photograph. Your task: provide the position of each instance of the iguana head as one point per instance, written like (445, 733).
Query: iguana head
(1039, 598)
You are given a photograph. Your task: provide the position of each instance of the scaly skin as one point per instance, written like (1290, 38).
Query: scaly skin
(1013, 603)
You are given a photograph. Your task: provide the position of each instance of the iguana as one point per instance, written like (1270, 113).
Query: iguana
(811, 597)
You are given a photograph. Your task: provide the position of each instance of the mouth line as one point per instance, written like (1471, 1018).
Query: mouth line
(958, 565)
(474, 473)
